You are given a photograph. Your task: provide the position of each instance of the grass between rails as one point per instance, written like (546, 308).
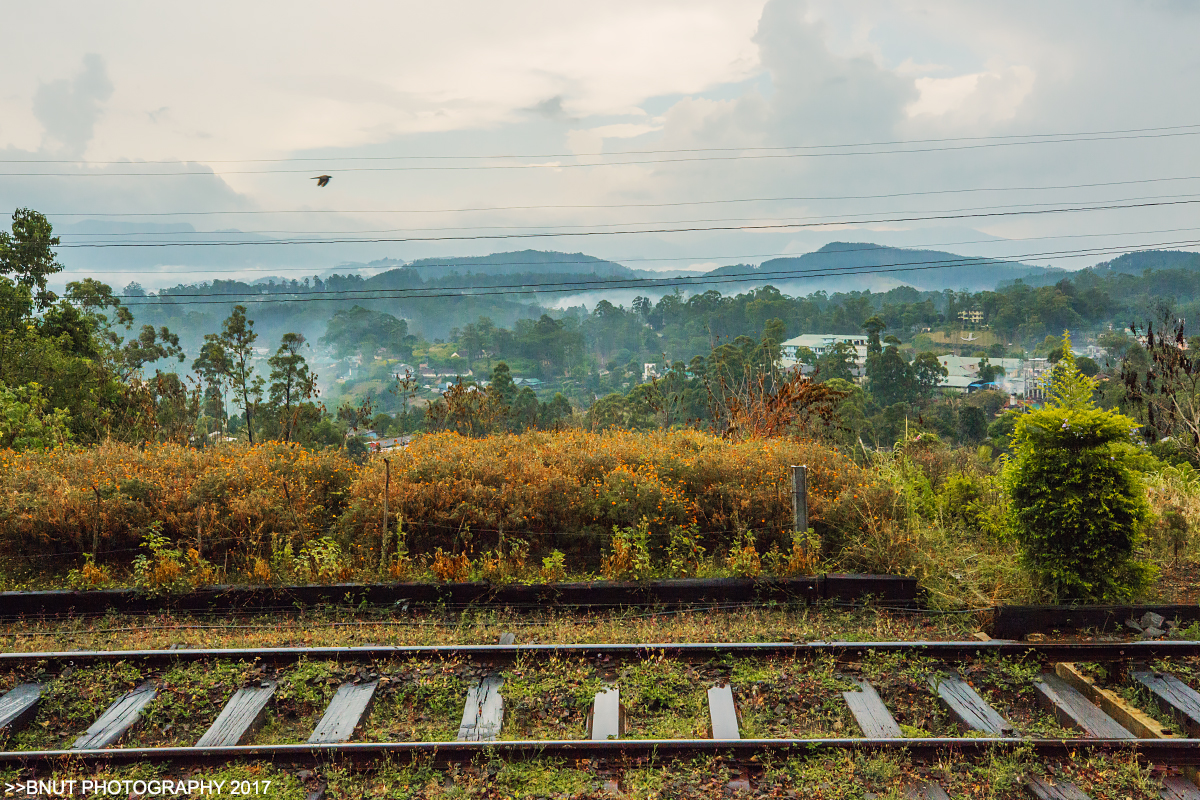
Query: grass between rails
(549, 699)
(844, 776)
(379, 626)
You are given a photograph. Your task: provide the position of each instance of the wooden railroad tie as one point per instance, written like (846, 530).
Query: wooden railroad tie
(1073, 710)
(240, 717)
(118, 718)
(483, 714)
(18, 707)
(345, 713)
(876, 722)
(722, 715)
(1176, 699)
(606, 720)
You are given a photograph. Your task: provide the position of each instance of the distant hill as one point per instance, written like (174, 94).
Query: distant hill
(523, 262)
(1137, 263)
(861, 265)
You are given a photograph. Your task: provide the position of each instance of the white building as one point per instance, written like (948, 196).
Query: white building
(968, 366)
(820, 344)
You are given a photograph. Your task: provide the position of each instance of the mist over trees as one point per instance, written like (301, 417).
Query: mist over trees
(95, 364)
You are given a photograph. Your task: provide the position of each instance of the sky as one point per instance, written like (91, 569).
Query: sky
(464, 128)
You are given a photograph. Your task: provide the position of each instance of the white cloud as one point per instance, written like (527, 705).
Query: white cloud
(262, 80)
(228, 80)
(591, 140)
(994, 95)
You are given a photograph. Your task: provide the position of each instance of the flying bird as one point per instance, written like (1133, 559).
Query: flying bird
(322, 180)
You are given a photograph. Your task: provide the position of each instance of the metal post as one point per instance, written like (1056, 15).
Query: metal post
(387, 483)
(800, 499)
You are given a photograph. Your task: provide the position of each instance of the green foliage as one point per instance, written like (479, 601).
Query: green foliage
(28, 253)
(1078, 506)
(554, 566)
(360, 330)
(971, 501)
(165, 568)
(356, 450)
(25, 424)
(237, 339)
(685, 554)
(630, 556)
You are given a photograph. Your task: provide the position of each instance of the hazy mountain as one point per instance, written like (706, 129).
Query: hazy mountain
(522, 262)
(847, 266)
(1137, 263)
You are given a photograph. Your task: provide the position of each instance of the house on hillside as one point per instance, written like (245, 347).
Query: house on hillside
(390, 443)
(820, 344)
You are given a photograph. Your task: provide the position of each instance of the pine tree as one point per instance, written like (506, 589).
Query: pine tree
(1078, 507)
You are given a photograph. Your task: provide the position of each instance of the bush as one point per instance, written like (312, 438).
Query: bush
(276, 513)
(231, 504)
(1078, 506)
(568, 490)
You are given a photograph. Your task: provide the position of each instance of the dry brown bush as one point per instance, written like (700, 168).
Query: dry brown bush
(263, 511)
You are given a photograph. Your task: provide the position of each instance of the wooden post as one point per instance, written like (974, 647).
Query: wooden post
(800, 499)
(96, 527)
(383, 542)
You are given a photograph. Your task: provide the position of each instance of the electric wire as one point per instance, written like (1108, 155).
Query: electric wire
(474, 262)
(622, 283)
(846, 150)
(849, 217)
(1000, 137)
(688, 229)
(812, 198)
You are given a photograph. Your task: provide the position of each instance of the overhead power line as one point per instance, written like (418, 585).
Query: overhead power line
(1035, 138)
(688, 229)
(559, 165)
(810, 198)
(846, 217)
(480, 261)
(626, 283)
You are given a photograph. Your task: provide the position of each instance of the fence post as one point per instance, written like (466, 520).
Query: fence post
(799, 499)
(96, 527)
(383, 542)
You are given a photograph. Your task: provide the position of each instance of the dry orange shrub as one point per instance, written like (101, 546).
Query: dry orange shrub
(218, 501)
(451, 568)
(238, 506)
(567, 490)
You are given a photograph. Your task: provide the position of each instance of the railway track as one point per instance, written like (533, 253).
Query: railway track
(1053, 702)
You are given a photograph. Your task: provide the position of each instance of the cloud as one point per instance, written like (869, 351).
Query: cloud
(69, 109)
(993, 95)
(591, 140)
(550, 108)
(468, 77)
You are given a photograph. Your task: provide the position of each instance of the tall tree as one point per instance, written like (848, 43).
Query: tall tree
(28, 253)
(889, 378)
(927, 373)
(213, 367)
(237, 338)
(501, 386)
(291, 381)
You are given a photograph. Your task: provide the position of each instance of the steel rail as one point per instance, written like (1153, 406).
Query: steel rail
(1177, 752)
(1139, 651)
